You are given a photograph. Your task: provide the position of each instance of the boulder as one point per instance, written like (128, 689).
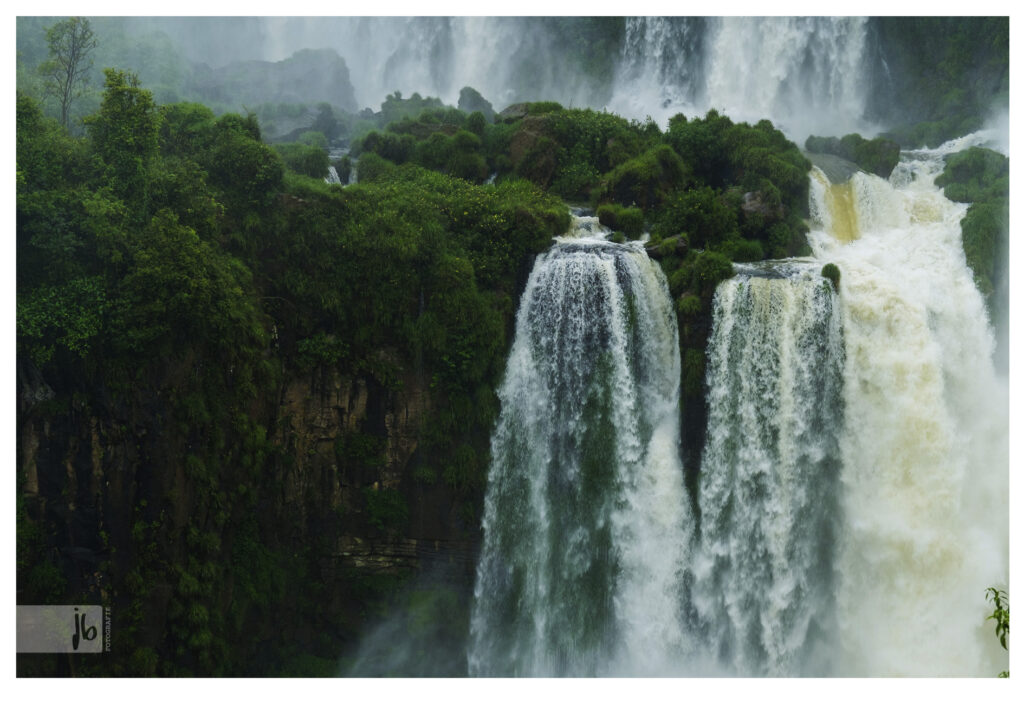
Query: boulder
(513, 113)
(671, 246)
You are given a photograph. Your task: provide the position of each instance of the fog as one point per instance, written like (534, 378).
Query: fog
(807, 75)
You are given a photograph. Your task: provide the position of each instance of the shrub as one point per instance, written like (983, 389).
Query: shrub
(304, 159)
(700, 212)
(476, 123)
(984, 230)
(975, 175)
(646, 180)
(831, 272)
(313, 138)
(741, 250)
(878, 156)
(629, 220)
(386, 509)
(372, 167)
(688, 305)
(709, 269)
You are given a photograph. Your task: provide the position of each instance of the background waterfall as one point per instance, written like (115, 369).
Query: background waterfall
(586, 522)
(805, 73)
(763, 579)
(925, 451)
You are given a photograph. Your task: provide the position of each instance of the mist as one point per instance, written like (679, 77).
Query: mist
(807, 75)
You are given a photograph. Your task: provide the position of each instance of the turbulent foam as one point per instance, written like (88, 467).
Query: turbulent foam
(763, 579)
(586, 522)
(925, 451)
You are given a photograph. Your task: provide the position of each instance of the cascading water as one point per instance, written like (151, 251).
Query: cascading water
(925, 450)
(805, 73)
(586, 521)
(661, 65)
(763, 586)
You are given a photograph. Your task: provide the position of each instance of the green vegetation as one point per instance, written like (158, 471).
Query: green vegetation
(189, 296)
(877, 156)
(628, 220)
(981, 177)
(386, 509)
(175, 273)
(711, 191)
(71, 45)
(1001, 615)
(831, 272)
(306, 159)
(945, 76)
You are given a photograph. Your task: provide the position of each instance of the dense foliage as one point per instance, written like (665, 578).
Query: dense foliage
(943, 77)
(981, 177)
(878, 156)
(174, 273)
(177, 275)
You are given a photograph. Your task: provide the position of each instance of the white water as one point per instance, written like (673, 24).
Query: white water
(763, 586)
(925, 452)
(586, 522)
(805, 73)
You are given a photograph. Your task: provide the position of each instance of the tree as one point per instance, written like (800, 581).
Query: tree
(67, 70)
(125, 133)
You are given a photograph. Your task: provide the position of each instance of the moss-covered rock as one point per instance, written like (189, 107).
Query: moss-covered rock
(831, 272)
(975, 175)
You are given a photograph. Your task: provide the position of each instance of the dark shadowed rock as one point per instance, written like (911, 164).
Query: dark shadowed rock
(471, 101)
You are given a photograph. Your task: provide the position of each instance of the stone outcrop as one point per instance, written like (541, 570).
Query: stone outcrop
(309, 76)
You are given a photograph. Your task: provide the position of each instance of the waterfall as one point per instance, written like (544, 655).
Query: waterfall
(586, 521)
(925, 447)
(807, 74)
(804, 73)
(763, 578)
(332, 176)
(661, 65)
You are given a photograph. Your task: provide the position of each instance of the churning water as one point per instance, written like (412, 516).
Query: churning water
(763, 586)
(852, 499)
(925, 450)
(586, 521)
